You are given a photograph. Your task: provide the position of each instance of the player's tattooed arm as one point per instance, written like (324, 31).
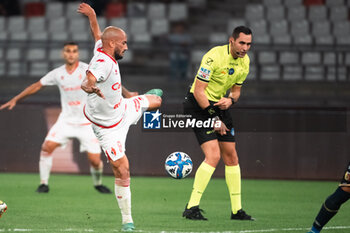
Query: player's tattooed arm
(87, 10)
(128, 94)
(88, 85)
(32, 89)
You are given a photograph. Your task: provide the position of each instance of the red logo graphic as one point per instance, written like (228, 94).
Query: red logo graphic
(100, 60)
(74, 103)
(116, 86)
(113, 151)
(120, 146)
(116, 71)
(137, 104)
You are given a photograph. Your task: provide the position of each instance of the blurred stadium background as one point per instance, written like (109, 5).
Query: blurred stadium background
(291, 120)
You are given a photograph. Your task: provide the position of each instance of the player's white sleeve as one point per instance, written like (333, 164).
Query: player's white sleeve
(100, 68)
(98, 45)
(49, 79)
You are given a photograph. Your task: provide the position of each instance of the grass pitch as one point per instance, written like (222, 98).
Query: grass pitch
(72, 205)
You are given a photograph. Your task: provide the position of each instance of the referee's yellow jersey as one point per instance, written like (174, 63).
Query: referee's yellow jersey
(221, 71)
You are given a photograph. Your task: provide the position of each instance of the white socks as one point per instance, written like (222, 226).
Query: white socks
(45, 165)
(123, 195)
(97, 174)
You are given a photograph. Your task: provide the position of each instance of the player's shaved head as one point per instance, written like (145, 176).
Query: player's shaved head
(111, 33)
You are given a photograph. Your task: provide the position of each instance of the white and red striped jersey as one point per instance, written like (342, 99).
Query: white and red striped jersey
(73, 98)
(110, 111)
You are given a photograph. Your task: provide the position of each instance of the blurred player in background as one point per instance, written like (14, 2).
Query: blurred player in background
(106, 108)
(222, 68)
(71, 122)
(332, 204)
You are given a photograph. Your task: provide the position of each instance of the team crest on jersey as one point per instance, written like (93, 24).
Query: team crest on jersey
(209, 61)
(231, 71)
(116, 71)
(204, 73)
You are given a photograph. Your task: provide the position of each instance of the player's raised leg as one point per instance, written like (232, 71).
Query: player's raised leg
(122, 191)
(203, 175)
(233, 179)
(45, 164)
(96, 170)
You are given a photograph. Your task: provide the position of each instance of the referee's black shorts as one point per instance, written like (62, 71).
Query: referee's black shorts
(346, 178)
(203, 135)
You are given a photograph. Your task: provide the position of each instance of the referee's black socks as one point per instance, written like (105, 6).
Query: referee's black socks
(330, 207)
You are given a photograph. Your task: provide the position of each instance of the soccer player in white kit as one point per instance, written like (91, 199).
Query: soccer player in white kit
(71, 122)
(110, 113)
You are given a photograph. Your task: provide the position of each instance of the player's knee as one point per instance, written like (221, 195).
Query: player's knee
(46, 150)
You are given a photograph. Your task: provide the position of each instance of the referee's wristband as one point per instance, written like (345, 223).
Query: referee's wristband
(212, 111)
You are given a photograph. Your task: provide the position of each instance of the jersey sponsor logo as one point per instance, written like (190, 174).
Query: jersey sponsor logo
(116, 86)
(209, 61)
(118, 104)
(74, 103)
(100, 60)
(71, 88)
(204, 73)
(231, 71)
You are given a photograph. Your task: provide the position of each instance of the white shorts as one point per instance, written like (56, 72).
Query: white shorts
(112, 140)
(61, 132)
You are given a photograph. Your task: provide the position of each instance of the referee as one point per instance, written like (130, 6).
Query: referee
(223, 68)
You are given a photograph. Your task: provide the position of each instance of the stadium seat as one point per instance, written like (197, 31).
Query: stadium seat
(34, 9)
(83, 36)
(347, 59)
(254, 12)
(334, 2)
(279, 27)
(339, 13)
(84, 55)
(252, 75)
(4, 36)
(292, 73)
(54, 9)
(16, 24)
(57, 25)
(159, 27)
(324, 40)
(71, 10)
(303, 39)
(138, 26)
(269, 3)
(55, 54)
(341, 28)
(296, 13)
(321, 28)
(121, 23)
(259, 28)
(36, 24)
(2, 23)
(233, 23)
(136, 9)
(263, 39)
(292, 3)
(115, 10)
(2, 68)
(39, 36)
(275, 13)
(156, 10)
(282, 39)
(300, 28)
(177, 11)
(38, 69)
(35, 54)
(218, 38)
(196, 56)
(267, 57)
(59, 37)
(311, 58)
(289, 58)
(15, 68)
(18, 36)
(128, 57)
(343, 40)
(314, 73)
(329, 58)
(317, 13)
(77, 25)
(142, 38)
(270, 72)
(102, 22)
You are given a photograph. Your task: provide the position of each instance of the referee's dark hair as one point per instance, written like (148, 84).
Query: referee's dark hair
(239, 29)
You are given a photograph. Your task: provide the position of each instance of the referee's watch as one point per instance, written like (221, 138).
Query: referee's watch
(233, 100)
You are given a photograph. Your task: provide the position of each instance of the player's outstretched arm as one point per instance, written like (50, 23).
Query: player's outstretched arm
(88, 85)
(32, 89)
(87, 10)
(128, 94)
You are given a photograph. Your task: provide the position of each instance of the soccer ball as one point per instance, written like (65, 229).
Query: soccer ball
(178, 165)
(3, 208)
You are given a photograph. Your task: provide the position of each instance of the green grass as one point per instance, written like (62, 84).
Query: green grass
(74, 206)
